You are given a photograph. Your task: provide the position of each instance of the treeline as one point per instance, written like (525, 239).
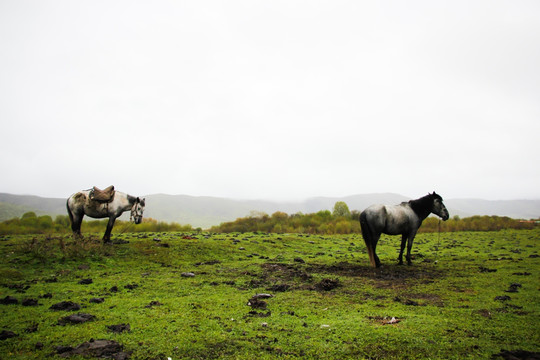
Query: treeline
(342, 221)
(475, 223)
(322, 222)
(30, 223)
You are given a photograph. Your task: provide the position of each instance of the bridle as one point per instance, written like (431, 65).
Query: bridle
(134, 213)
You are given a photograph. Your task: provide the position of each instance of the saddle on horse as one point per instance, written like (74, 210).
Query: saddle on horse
(104, 196)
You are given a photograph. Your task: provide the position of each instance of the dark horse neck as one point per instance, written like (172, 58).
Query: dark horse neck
(422, 207)
(131, 199)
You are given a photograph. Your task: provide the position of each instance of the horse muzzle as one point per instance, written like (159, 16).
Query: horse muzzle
(137, 220)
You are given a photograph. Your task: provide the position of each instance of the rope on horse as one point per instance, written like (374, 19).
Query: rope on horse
(438, 243)
(126, 227)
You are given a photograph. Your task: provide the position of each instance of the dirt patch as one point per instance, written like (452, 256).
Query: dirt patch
(76, 319)
(327, 284)
(66, 305)
(30, 302)
(285, 272)
(211, 262)
(6, 334)
(9, 300)
(119, 328)
(96, 348)
(279, 287)
(406, 301)
(513, 288)
(389, 276)
(131, 286)
(425, 299)
(486, 270)
(518, 355)
(483, 312)
(153, 303)
(256, 302)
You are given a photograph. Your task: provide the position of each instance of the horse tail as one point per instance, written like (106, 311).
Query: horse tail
(368, 239)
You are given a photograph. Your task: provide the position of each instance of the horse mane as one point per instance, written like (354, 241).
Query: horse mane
(423, 205)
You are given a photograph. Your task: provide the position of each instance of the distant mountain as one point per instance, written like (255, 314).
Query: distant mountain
(15, 205)
(205, 211)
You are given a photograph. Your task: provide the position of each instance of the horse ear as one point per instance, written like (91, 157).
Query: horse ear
(138, 200)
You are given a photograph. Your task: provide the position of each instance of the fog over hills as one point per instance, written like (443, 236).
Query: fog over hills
(205, 211)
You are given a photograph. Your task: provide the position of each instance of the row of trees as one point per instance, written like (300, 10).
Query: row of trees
(339, 221)
(30, 223)
(343, 221)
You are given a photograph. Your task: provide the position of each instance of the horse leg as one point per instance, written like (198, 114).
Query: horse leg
(409, 247)
(76, 224)
(375, 240)
(75, 220)
(403, 242)
(107, 236)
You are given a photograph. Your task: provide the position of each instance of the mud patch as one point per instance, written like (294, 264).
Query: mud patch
(513, 288)
(483, 312)
(518, 355)
(9, 300)
(130, 286)
(76, 319)
(390, 276)
(278, 277)
(411, 299)
(119, 328)
(96, 348)
(327, 284)
(65, 305)
(30, 302)
(256, 302)
(408, 302)
(153, 303)
(279, 287)
(6, 334)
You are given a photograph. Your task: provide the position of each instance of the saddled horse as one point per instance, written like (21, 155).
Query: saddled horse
(404, 219)
(102, 204)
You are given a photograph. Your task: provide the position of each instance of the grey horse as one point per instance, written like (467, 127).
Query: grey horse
(404, 219)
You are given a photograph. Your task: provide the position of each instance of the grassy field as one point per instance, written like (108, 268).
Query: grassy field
(192, 296)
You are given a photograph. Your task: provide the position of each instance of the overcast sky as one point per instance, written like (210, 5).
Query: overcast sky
(271, 99)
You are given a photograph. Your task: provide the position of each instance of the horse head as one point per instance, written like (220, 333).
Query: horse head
(438, 207)
(137, 210)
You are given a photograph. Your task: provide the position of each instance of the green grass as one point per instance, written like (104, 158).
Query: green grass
(445, 303)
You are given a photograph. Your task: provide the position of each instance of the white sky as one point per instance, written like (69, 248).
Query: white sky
(271, 99)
